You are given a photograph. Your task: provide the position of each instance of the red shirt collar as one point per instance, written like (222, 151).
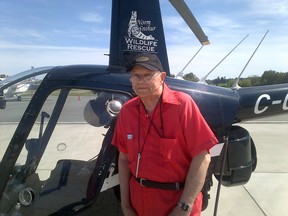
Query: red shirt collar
(169, 95)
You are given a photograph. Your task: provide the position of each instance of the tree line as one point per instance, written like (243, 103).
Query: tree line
(269, 77)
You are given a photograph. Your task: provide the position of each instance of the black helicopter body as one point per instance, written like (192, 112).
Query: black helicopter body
(91, 183)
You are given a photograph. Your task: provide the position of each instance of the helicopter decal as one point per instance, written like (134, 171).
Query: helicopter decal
(267, 98)
(137, 40)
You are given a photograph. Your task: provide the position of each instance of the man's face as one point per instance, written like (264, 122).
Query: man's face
(145, 82)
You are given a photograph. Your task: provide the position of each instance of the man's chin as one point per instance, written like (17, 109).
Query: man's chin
(142, 92)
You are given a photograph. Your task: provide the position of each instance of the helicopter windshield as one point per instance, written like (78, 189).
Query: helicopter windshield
(57, 159)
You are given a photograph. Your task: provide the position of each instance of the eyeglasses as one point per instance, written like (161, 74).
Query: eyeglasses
(145, 78)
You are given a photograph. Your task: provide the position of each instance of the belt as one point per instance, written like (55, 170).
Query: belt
(160, 185)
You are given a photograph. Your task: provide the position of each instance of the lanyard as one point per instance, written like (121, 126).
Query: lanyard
(140, 150)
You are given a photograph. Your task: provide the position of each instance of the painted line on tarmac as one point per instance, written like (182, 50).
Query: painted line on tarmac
(37, 122)
(264, 122)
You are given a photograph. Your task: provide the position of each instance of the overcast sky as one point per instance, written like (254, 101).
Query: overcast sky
(46, 33)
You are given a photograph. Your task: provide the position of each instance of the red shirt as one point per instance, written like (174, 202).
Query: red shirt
(169, 138)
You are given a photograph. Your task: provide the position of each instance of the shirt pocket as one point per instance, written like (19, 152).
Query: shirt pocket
(167, 147)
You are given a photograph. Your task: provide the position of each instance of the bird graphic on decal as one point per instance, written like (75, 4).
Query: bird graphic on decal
(135, 30)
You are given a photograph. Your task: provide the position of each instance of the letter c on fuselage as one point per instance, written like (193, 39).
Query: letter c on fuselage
(256, 109)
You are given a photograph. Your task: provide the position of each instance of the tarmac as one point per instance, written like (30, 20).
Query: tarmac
(266, 193)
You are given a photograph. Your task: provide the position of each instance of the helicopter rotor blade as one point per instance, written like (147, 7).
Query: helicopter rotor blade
(191, 21)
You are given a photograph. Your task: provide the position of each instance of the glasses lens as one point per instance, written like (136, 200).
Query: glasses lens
(145, 78)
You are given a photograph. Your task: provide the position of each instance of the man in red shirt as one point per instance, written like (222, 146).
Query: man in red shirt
(164, 145)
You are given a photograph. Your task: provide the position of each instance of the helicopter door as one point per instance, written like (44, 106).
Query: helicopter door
(58, 160)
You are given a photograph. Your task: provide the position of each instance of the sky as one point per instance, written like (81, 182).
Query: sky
(36, 33)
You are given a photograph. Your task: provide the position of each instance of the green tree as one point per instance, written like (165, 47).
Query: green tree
(245, 82)
(255, 80)
(191, 77)
(285, 78)
(272, 77)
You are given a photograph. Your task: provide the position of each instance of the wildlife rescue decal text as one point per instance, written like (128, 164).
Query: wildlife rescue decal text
(140, 35)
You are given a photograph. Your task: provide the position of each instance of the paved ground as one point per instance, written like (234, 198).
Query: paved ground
(266, 193)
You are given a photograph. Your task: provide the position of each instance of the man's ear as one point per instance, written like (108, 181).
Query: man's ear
(163, 75)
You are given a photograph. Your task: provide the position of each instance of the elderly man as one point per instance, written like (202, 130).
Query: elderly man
(164, 145)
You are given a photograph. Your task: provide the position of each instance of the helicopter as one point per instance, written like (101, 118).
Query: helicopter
(47, 168)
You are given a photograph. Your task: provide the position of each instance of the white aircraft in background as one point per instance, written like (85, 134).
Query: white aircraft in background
(2, 77)
(14, 91)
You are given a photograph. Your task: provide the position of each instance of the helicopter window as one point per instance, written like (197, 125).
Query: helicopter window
(17, 98)
(72, 137)
(61, 150)
(59, 159)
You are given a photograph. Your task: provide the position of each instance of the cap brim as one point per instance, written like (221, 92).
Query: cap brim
(147, 66)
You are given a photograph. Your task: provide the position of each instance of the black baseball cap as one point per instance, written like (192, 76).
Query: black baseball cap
(147, 60)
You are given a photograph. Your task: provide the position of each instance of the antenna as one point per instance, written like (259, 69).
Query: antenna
(180, 74)
(203, 80)
(235, 85)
